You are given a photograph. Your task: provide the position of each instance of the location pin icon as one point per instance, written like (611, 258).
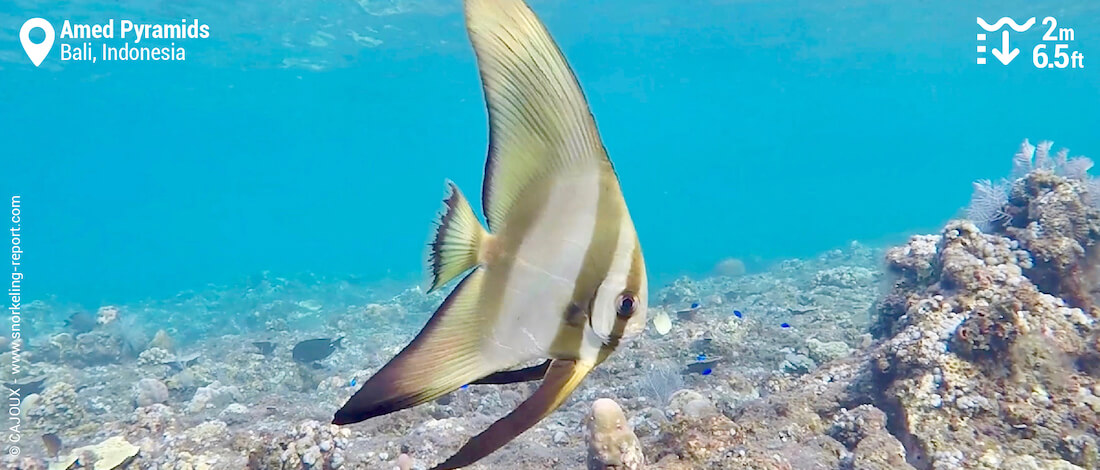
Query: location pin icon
(37, 52)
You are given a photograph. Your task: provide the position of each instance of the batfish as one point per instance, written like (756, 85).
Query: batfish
(557, 276)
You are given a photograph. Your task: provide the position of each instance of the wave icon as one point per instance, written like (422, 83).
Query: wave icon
(1006, 20)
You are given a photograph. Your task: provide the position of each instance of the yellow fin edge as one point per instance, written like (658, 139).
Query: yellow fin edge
(456, 240)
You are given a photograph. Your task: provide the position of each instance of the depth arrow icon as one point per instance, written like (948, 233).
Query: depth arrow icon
(1004, 55)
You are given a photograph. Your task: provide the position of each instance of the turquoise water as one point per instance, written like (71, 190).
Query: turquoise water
(758, 130)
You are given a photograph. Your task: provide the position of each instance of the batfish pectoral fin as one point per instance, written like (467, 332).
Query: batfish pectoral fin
(456, 241)
(444, 356)
(525, 374)
(562, 377)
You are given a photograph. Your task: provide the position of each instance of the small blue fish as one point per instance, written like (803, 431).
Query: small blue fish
(737, 313)
(465, 386)
(706, 372)
(701, 357)
(695, 305)
(784, 325)
(353, 382)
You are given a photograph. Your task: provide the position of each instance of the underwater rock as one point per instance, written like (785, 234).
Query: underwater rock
(235, 413)
(844, 277)
(611, 440)
(310, 444)
(822, 352)
(404, 462)
(208, 431)
(91, 349)
(154, 356)
(106, 315)
(57, 409)
(863, 431)
(690, 403)
(1053, 219)
(729, 267)
(155, 419)
(211, 396)
(149, 392)
(163, 341)
(797, 364)
(979, 343)
(114, 453)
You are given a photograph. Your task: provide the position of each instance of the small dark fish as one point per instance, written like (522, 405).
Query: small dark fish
(182, 362)
(704, 345)
(698, 367)
(52, 443)
(695, 305)
(313, 350)
(688, 314)
(706, 371)
(784, 325)
(28, 385)
(81, 322)
(265, 347)
(737, 313)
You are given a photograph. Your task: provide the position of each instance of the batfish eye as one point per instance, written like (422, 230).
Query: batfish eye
(626, 304)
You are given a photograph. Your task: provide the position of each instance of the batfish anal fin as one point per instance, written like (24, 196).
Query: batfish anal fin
(540, 124)
(444, 356)
(562, 378)
(457, 240)
(526, 374)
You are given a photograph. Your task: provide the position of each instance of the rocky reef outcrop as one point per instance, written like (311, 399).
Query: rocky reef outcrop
(987, 353)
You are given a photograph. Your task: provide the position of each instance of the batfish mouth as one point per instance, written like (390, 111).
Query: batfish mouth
(604, 339)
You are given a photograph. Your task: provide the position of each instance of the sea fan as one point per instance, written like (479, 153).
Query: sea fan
(1021, 163)
(1076, 168)
(661, 381)
(1042, 156)
(987, 203)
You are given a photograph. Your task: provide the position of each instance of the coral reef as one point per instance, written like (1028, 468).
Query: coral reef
(308, 445)
(977, 347)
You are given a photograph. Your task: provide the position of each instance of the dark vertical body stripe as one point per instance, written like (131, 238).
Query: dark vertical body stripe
(634, 279)
(597, 263)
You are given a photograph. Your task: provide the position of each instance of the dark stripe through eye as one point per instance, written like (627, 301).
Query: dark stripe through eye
(626, 304)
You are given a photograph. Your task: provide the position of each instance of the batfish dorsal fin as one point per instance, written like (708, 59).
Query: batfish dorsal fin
(562, 378)
(444, 356)
(539, 121)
